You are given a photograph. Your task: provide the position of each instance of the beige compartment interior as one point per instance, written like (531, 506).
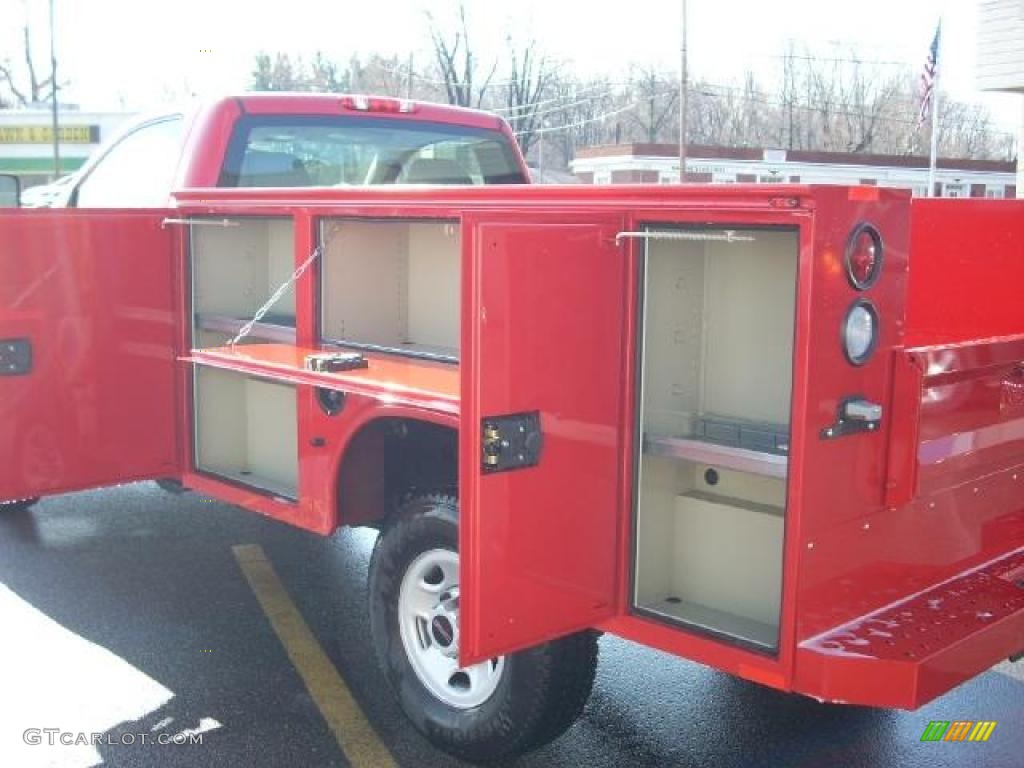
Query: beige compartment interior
(392, 285)
(716, 382)
(246, 430)
(235, 269)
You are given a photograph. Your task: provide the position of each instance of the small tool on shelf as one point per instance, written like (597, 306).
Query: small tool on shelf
(333, 362)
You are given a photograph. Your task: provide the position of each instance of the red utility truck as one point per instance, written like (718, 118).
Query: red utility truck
(778, 430)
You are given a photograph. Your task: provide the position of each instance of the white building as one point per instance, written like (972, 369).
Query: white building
(1001, 57)
(659, 164)
(26, 141)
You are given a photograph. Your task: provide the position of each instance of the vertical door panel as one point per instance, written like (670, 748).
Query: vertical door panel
(90, 294)
(544, 335)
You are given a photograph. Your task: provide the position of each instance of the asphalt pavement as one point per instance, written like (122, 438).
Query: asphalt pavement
(125, 612)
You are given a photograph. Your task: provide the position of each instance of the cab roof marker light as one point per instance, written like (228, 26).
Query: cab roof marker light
(377, 104)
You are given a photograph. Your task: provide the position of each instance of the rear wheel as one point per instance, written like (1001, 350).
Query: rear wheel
(17, 505)
(494, 710)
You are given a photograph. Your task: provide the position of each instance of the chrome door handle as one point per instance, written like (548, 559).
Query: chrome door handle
(862, 410)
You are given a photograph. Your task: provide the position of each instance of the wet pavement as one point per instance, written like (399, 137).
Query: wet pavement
(124, 612)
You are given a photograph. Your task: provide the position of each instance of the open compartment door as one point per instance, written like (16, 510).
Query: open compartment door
(87, 331)
(541, 454)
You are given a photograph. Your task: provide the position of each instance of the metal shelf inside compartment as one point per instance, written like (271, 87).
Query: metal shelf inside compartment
(741, 628)
(742, 433)
(276, 327)
(257, 481)
(747, 446)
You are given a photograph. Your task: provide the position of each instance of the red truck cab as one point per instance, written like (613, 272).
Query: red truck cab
(294, 140)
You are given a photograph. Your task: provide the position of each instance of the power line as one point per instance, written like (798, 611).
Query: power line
(595, 119)
(559, 108)
(755, 99)
(840, 60)
(845, 109)
(604, 90)
(603, 86)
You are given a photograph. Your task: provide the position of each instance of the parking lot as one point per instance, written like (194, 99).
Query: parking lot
(128, 611)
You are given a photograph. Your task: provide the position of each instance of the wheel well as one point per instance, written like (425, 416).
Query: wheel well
(389, 458)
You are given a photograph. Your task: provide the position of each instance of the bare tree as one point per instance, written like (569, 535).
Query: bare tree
(832, 103)
(530, 77)
(284, 72)
(325, 76)
(657, 97)
(869, 97)
(572, 110)
(35, 88)
(379, 74)
(458, 64)
(261, 78)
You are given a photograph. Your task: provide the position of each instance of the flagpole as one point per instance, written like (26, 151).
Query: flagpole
(933, 158)
(934, 154)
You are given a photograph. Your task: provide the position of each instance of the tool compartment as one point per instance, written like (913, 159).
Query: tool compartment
(716, 341)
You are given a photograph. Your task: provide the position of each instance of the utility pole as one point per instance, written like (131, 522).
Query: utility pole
(408, 92)
(55, 127)
(682, 100)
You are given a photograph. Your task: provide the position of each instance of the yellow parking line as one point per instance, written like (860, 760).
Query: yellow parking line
(356, 737)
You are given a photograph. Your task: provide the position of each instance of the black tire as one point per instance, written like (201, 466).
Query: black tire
(18, 505)
(542, 690)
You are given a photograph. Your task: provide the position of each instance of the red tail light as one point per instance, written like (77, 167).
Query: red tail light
(377, 104)
(863, 256)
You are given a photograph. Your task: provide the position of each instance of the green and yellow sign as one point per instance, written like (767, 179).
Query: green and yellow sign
(958, 730)
(43, 134)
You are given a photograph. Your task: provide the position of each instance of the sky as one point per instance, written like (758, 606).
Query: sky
(135, 55)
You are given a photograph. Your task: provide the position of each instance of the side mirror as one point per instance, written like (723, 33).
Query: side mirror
(10, 191)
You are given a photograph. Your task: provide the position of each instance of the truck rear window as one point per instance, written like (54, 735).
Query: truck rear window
(328, 151)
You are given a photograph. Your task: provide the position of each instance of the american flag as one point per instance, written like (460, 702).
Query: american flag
(931, 67)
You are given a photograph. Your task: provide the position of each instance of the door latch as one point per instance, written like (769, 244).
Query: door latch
(855, 415)
(15, 357)
(511, 442)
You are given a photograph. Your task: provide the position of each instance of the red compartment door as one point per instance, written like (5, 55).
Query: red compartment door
(87, 330)
(544, 335)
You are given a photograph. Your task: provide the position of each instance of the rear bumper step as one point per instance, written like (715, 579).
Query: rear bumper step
(908, 653)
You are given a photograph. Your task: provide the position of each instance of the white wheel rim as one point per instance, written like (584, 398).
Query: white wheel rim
(428, 620)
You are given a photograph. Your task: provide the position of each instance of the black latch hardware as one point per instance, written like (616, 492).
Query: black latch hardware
(511, 442)
(855, 415)
(333, 362)
(15, 357)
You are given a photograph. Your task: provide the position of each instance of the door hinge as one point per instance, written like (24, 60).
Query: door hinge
(15, 357)
(511, 442)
